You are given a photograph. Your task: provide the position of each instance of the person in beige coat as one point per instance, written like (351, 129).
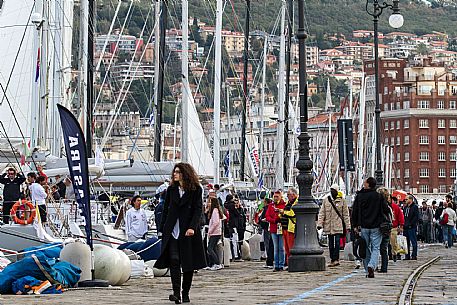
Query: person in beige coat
(334, 219)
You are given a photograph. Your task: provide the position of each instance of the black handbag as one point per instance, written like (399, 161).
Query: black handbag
(386, 222)
(359, 247)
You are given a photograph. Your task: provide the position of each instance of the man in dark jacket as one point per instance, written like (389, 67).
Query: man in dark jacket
(411, 212)
(11, 191)
(366, 219)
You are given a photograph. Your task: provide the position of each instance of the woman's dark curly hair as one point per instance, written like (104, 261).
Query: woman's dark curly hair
(189, 176)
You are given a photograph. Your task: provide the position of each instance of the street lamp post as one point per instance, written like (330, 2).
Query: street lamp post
(306, 255)
(395, 21)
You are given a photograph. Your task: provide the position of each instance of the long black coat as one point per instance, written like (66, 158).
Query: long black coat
(188, 209)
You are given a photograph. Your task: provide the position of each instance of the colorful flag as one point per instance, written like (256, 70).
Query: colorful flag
(255, 162)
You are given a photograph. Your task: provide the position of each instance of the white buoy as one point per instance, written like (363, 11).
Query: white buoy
(107, 264)
(125, 267)
(254, 246)
(78, 254)
(245, 251)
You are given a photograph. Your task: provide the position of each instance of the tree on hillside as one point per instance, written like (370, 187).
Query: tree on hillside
(422, 49)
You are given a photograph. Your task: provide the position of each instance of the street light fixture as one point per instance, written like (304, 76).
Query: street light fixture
(306, 255)
(395, 21)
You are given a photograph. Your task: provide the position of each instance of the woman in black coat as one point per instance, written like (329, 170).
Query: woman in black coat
(182, 246)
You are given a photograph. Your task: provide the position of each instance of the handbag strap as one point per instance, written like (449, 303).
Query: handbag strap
(336, 210)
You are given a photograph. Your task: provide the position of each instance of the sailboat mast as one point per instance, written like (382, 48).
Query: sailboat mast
(185, 82)
(262, 105)
(217, 91)
(156, 64)
(361, 132)
(245, 89)
(286, 100)
(229, 137)
(158, 118)
(90, 76)
(329, 105)
(281, 101)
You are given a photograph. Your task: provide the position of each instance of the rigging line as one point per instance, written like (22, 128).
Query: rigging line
(15, 59)
(105, 44)
(15, 119)
(12, 147)
(123, 96)
(112, 55)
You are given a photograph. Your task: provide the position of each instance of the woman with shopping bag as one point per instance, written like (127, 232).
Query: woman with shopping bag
(397, 227)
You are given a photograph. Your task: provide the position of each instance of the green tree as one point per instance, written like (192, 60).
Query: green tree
(422, 49)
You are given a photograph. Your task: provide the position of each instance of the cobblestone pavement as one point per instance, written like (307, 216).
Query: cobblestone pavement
(250, 283)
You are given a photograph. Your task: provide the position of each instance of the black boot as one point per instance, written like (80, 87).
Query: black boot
(186, 284)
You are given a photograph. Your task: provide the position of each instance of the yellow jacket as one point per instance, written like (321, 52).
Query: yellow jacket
(292, 219)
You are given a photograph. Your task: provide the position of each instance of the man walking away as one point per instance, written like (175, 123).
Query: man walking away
(411, 212)
(367, 215)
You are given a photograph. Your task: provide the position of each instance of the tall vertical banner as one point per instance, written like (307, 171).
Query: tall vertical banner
(75, 148)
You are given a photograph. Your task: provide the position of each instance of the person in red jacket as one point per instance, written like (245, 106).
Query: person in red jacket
(273, 217)
(397, 226)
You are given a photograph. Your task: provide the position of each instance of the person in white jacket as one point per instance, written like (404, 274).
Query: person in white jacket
(449, 226)
(136, 221)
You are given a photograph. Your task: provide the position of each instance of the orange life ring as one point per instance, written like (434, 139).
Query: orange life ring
(22, 220)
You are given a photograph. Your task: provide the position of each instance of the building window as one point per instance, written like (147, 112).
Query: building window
(398, 124)
(440, 105)
(423, 104)
(452, 156)
(423, 188)
(423, 123)
(442, 156)
(398, 156)
(424, 172)
(406, 140)
(442, 173)
(453, 140)
(443, 188)
(406, 172)
(386, 141)
(441, 140)
(386, 107)
(406, 105)
(423, 156)
(453, 171)
(397, 104)
(452, 123)
(398, 173)
(406, 124)
(398, 140)
(386, 125)
(406, 156)
(392, 125)
(451, 104)
(424, 140)
(441, 123)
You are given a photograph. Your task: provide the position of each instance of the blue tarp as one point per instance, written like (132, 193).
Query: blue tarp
(63, 272)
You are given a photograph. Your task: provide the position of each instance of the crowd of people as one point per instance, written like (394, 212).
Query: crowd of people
(35, 188)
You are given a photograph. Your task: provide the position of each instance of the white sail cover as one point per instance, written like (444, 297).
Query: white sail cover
(198, 154)
(13, 23)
